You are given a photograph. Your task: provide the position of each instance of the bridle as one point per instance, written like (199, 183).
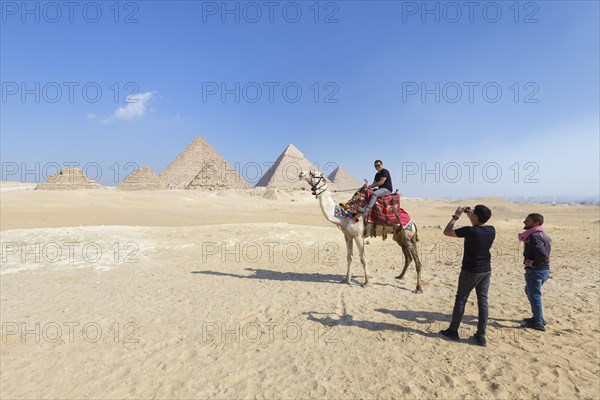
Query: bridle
(315, 188)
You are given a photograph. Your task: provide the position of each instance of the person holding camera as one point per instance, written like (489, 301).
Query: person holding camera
(476, 270)
(536, 259)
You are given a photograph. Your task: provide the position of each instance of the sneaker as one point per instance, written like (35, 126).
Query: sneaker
(480, 340)
(453, 335)
(531, 320)
(534, 325)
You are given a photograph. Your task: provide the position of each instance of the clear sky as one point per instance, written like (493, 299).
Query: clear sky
(490, 98)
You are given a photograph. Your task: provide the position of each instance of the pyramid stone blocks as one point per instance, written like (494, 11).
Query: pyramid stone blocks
(343, 180)
(68, 179)
(283, 174)
(142, 179)
(200, 166)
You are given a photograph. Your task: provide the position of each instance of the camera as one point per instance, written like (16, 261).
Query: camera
(467, 209)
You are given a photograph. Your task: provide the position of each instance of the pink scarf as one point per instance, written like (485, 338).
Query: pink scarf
(524, 235)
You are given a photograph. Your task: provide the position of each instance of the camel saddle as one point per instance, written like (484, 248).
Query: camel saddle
(386, 211)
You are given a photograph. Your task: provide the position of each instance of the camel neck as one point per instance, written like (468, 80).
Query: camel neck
(328, 205)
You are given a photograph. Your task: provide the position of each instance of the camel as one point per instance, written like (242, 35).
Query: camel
(355, 231)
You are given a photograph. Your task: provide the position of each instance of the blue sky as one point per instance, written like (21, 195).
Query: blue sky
(370, 61)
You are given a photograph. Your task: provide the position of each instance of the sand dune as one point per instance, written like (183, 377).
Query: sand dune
(232, 295)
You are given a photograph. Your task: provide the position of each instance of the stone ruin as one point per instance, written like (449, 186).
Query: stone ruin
(69, 179)
(142, 179)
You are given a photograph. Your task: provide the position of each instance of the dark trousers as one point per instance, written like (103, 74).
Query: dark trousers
(466, 282)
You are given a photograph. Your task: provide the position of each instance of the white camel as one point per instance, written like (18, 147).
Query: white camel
(355, 231)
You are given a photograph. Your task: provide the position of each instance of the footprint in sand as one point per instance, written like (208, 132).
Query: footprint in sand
(189, 354)
(318, 390)
(122, 372)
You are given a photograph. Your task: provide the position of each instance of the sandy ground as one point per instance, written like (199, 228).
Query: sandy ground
(109, 294)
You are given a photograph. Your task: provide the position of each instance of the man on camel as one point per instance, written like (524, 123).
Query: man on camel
(383, 183)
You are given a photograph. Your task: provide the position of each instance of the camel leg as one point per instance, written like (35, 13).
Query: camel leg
(360, 244)
(407, 259)
(414, 251)
(348, 258)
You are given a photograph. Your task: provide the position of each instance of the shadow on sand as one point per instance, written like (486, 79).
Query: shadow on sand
(433, 317)
(422, 323)
(271, 275)
(430, 321)
(348, 320)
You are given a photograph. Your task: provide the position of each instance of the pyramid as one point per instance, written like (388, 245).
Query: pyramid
(142, 179)
(283, 174)
(343, 180)
(68, 179)
(200, 166)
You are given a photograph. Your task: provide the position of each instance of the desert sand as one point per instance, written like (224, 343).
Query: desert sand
(228, 294)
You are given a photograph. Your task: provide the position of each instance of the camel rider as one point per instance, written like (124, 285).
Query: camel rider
(383, 183)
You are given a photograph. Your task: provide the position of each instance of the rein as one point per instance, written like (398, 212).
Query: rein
(316, 187)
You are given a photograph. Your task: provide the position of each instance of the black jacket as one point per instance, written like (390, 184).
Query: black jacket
(537, 248)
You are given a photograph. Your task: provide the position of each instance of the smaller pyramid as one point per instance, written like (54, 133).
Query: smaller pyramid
(343, 180)
(68, 179)
(283, 174)
(142, 179)
(200, 166)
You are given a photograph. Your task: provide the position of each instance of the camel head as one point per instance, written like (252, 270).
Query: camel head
(312, 177)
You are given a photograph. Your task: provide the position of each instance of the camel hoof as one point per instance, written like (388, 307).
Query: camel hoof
(419, 290)
(367, 284)
(400, 277)
(346, 281)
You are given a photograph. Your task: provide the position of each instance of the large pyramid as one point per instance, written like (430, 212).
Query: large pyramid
(142, 179)
(69, 179)
(343, 180)
(283, 174)
(200, 166)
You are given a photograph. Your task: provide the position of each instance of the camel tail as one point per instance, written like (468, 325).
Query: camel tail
(416, 233)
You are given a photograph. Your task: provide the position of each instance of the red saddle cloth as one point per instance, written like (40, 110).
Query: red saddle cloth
(387, 211)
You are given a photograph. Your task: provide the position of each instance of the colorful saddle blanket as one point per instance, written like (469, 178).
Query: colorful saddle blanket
(350, 209)
(386, 211)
